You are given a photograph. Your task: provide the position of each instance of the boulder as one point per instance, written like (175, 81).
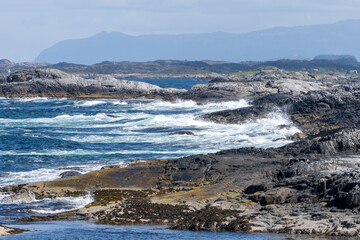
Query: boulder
(273, 196)
(183, 133)
(69, 174)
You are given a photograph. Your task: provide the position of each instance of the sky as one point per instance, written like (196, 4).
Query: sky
(29, 26)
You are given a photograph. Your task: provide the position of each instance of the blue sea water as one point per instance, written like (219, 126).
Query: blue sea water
(85, 230)
(180, 83)
(40, 138)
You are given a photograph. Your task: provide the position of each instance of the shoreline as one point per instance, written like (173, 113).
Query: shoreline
(6, 231)
(294, 189)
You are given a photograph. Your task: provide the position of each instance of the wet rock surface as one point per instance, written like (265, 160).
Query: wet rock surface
(310, 186)
(260, 84)
(183, 133)
(69, 174)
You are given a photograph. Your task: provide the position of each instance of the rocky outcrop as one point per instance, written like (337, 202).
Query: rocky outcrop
(316, 113)
(68, 174)
(342, 188)
(6, 231)
(27, 75)
(257, 85)
(246, 190)
(310, 186)
(55, 83)
(183, 133)
(212, 219)
(227, 90)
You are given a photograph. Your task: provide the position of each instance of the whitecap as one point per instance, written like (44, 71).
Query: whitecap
(65, 203)
(89, 103)
(119, 103)
(190, 105)
(81, 152)
(43, 174)
(35, 99)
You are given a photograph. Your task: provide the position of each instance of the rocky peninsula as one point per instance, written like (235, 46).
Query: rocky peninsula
(57, 84)
(310, 186)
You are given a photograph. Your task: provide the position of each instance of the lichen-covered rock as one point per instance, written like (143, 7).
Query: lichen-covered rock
(45, 73)
(55, 83)
(260, 84)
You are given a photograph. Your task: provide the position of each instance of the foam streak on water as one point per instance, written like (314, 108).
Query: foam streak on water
(47, 205)
(40, 136)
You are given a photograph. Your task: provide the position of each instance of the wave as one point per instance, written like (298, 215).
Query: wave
(82, 152)
(62, 120)
(35, 99)
(139, 123)
(119, 103)
(3, 196)
(145, 130)
(43, 174)
(65, 203)
(191, 105)
(78, 119)
(21, 198)
(46, 205)
(89, 103)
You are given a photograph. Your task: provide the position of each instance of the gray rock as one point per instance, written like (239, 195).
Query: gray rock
(261, 84)
(55, 83)
(45, 73)
(182, 133)
(69, 174)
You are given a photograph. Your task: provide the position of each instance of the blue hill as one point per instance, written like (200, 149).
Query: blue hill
(275, 43)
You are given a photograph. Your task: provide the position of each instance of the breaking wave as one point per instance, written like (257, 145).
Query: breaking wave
(112, 131)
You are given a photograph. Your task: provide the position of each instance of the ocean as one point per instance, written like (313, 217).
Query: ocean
(40, 138)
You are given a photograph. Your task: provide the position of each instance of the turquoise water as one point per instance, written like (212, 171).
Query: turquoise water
(40, 138)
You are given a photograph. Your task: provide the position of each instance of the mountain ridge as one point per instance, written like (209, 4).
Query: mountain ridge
(275, 43)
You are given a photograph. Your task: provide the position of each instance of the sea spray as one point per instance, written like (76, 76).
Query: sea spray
(40, 136)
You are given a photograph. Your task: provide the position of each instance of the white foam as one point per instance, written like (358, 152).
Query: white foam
(145, 128)
(191, 105)
(209, 136)
(89, 103)
(42, 174)
(71, 203)
(27, 197)
(78, 120)
(47, 205)
(119, 103)
(81, 152)
(36, 99)
(62, 120)
(3, 196)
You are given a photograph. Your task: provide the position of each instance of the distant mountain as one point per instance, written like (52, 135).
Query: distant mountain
(275, 43)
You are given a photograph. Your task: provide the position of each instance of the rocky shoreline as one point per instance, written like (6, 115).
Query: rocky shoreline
(311, 186)
(6, 231)
(57, 84)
